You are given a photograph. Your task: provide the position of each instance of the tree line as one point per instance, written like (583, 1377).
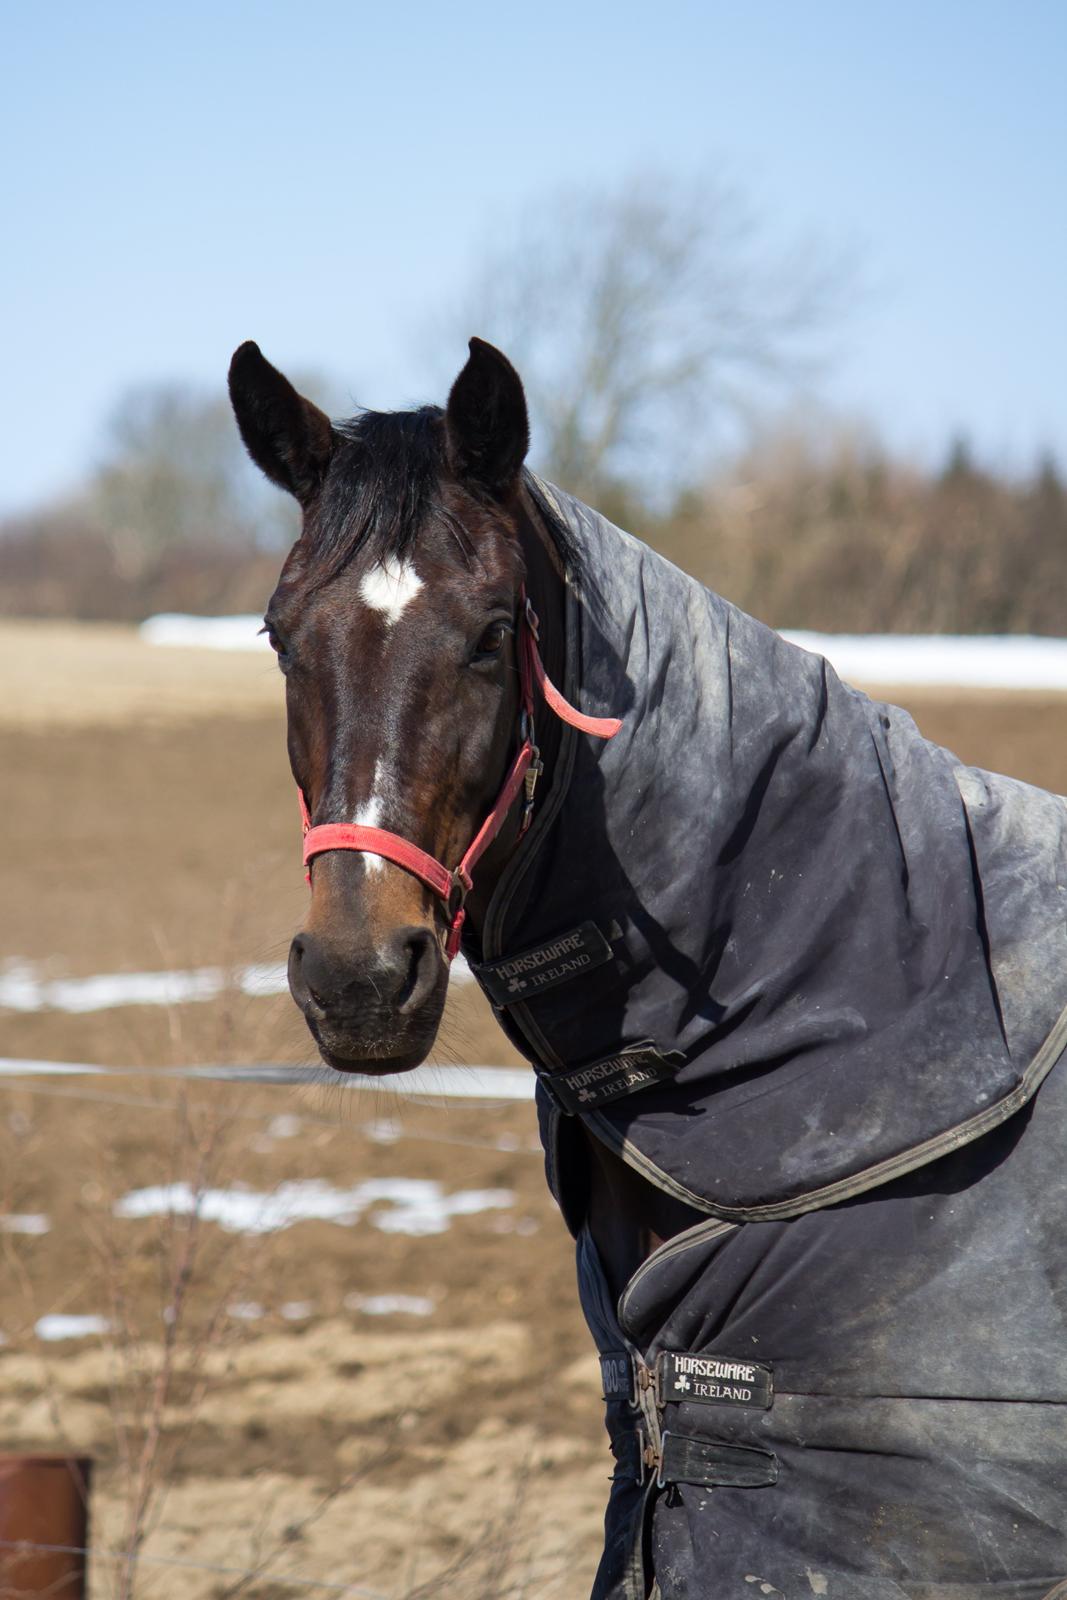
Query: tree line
(841, 538)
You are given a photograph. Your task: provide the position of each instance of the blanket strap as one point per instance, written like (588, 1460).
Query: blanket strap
(648, 1450)
(682, 1458)
(725, 1466)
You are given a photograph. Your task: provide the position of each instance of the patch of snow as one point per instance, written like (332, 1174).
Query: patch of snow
(521, 1225)
(285, 1126)
(417, 1206)
(204, 633)
(297, 1310)
(22, 988)
(388, 1305)
(25, 1222)
(383, 1130)
(993, 661)
(59, 1325)
(972, 661)
(245, 1311)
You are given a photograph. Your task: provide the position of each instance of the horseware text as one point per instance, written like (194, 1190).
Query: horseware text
(514, 977)
(716, 1380)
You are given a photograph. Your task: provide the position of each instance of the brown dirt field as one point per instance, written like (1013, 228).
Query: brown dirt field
(72, 675)
(149, 822)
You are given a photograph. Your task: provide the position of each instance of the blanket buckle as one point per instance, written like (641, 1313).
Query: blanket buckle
(661, 1464)
(656, 1381)
(649, 1459)
(644, 1378)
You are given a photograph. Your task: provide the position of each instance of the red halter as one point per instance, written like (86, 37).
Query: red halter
(453, 887)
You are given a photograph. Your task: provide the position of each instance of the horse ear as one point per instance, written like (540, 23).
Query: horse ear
(486, 425)
(287, 437)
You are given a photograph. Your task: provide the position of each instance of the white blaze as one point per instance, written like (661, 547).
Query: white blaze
(368, 814)
(390, 588)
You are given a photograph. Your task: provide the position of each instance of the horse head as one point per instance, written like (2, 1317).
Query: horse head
(396, 624)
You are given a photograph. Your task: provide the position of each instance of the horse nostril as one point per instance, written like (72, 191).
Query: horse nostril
(420, 957)
(299, 987)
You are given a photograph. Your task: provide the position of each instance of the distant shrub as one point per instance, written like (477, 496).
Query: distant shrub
(58, 565)
(847, 540)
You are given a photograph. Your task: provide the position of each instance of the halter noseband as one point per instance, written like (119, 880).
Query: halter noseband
(454, 886)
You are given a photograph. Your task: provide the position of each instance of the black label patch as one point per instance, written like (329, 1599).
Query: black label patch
(578, 1089)
(616, 1375)
(714, 1381)
(528, 973)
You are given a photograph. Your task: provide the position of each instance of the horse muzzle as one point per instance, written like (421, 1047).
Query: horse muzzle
(375, 1010)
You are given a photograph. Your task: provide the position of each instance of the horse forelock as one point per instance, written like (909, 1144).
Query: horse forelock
(387, 479)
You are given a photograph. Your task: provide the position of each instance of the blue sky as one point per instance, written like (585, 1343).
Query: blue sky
(319, 177)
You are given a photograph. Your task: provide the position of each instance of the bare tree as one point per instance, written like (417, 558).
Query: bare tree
(174, 472)
(642, 317)
(171, 473)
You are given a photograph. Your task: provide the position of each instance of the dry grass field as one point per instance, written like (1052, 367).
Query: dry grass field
(352, 1400)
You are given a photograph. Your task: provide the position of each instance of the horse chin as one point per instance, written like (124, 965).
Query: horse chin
(373, 1067)
(351, 1056)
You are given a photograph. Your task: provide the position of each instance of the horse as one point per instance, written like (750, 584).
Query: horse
(792, 980)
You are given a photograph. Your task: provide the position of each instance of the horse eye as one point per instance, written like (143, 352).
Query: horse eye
(277, 645)
(492, 640)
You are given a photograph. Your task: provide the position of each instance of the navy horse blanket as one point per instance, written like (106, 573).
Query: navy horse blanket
(815, 987)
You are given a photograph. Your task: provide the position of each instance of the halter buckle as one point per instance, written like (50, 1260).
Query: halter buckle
(457, 910)
(533, 772)
(461, 888)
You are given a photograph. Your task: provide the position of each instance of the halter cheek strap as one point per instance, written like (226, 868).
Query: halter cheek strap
(453, 886)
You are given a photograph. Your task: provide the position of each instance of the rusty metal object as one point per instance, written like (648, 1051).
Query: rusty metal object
(44, 1501)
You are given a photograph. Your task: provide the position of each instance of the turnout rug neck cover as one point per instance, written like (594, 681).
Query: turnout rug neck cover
(806, 972)
(768, 942)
